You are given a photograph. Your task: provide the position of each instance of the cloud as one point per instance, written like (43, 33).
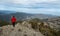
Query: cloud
(31, 1)
(26, 1)
(31, 6)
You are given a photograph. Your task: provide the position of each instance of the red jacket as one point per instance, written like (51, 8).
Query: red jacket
(13, 19)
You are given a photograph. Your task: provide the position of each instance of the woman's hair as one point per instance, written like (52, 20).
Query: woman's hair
(13, 16)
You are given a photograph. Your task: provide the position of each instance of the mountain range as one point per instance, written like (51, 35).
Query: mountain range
(6, 12)
(6, 15)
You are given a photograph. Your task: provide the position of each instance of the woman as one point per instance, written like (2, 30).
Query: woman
(13, 20)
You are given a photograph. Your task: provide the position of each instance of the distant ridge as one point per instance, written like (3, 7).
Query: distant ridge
(21, 15)
(6, 11)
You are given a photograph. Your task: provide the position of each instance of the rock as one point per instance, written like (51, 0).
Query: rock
(19, 30)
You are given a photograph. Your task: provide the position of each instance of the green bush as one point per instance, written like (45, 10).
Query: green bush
(3, 23)
(34, 23)
(58, 33)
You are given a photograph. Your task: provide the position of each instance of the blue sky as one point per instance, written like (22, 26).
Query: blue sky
(32, 6)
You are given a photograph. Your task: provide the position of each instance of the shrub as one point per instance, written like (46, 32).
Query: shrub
(47, 31)
(2, 23)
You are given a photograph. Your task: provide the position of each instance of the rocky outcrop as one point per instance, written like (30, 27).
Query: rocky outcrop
(19, 30)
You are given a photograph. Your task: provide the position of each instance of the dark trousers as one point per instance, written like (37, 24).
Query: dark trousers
(13, 23)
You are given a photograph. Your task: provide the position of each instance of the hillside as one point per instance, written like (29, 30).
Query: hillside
(54, 23)
(47, 27)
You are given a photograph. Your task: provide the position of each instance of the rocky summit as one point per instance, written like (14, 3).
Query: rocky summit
(18, 30)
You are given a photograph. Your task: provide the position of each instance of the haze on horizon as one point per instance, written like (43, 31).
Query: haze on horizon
(32, 6)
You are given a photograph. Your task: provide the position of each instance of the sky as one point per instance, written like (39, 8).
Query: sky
(32, 6)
